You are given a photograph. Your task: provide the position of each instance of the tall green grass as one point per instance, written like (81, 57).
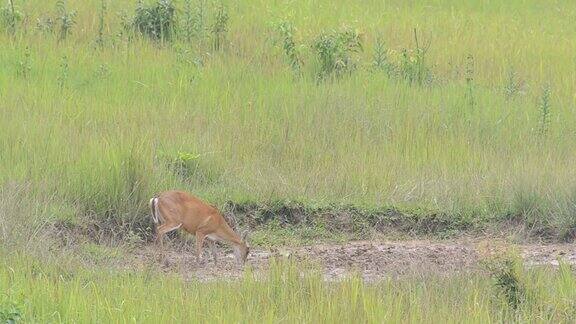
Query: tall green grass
(103, 128)
(34, 292)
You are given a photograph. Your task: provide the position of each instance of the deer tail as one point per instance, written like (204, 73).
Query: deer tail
(154, 210)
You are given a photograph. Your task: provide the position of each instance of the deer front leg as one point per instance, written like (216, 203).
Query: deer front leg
(214, 252)
(199, 242)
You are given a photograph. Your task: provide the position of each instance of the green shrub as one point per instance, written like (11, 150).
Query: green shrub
(66, 19)
(101, 18)
(24, 66)
(506, 270)
(156, 21)
(544, 107)
(380, 60)
(192, 168)
(10, 313)
(413, 67)
(287, 30)
(194, 20)
(10, 16)
(336, 52)
(219, 27)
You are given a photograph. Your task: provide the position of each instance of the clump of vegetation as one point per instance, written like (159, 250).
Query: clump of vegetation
(194, 20)
(156, 21)
(219, 27)
(10, 16)
(287, 30)
(10, 313)
(336, 51)
(470, 82)
(63, 21)
(507, 279)
(63, 75)
(66, 19)
(544, 107)
(191, 168)
(103, 71)
(380, 59)
(412, 67)
(126, 32)
(101, 17)
(506, 269)
(513, 85)
(24, 66)
(188, 21)
(45, 25)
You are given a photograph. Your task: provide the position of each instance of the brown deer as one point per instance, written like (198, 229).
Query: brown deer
(174, 209)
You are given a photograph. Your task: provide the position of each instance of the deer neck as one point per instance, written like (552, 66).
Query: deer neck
(227, 234)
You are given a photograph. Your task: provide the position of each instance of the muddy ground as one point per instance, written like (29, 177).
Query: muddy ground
(371, 259)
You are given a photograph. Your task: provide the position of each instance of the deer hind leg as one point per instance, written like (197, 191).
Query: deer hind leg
(163, 229)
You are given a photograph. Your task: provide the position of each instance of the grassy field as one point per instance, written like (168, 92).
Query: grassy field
(458, 112)
(476, 123)
(103, 128)
(34, 292)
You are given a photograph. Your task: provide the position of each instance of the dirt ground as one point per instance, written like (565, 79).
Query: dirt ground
(372, 260)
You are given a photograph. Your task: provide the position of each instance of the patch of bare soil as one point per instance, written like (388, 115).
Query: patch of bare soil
(372, 260)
